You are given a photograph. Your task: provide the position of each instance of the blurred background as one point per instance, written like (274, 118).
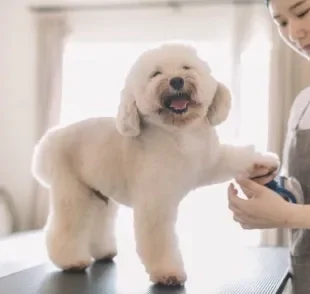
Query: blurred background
(65, 60)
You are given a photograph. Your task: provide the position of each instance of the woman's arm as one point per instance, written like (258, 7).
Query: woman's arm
(299, 216)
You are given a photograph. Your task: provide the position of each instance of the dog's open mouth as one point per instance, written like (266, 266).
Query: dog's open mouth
(177, 103)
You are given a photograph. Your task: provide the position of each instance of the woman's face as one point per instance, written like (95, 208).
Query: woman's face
(293, 21)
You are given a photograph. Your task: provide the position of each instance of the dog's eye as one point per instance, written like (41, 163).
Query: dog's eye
(156, 73)
(186, 67)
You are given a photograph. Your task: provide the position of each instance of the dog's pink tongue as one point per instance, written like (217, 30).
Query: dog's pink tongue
(179, 104)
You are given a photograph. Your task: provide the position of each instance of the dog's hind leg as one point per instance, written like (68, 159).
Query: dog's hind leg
(69, 223)
(103, 241)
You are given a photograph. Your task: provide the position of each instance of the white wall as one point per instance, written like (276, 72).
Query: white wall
(17, 103)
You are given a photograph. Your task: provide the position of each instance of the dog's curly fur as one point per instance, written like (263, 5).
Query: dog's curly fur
(148, 158)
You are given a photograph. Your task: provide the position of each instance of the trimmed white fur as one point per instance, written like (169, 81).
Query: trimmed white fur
(149, 158)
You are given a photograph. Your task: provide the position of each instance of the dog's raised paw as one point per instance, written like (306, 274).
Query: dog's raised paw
(268, 160)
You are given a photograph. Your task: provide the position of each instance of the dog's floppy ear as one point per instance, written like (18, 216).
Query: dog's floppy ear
(127, 119)
(219, 109)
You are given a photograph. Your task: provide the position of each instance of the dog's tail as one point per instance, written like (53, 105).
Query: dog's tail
(43, 160)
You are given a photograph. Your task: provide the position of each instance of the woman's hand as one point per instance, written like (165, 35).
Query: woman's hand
(264, 208)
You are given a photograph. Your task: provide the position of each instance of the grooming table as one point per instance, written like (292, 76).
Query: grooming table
(234, 271)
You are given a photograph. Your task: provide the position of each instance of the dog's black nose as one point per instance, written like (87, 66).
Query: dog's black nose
(177, 83)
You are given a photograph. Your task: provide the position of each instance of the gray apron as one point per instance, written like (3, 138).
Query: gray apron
(298, 166)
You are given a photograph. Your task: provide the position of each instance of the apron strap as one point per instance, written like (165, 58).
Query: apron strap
(302, 115)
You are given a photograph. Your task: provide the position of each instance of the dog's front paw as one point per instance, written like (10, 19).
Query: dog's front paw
(76, 266)
(268, 160)
(67, 254)
(264, 164)
(169, 277)
(70, 262)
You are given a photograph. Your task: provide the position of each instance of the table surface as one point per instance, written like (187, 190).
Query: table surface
(231, 271)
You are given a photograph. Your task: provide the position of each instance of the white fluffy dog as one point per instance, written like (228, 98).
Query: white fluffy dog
(162, 145)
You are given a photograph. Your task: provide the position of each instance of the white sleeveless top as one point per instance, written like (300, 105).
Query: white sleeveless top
(297, 108)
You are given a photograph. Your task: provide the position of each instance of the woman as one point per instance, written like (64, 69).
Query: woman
(292, 18)
(264, 208)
